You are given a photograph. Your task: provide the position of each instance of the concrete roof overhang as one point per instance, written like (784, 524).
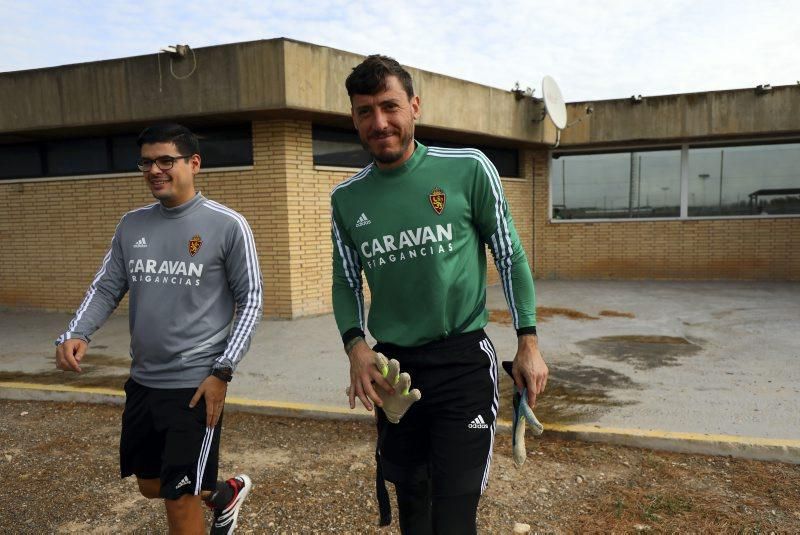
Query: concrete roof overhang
(276, 78)
(684, 118)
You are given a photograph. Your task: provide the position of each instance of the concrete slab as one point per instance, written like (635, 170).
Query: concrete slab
(690, 366)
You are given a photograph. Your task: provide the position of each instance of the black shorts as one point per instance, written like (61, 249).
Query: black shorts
(448, 435)
(163, 438)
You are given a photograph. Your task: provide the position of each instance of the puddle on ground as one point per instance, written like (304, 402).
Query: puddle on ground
(720, 314)
(57, 377)
(102, 360)
(95, 359)
(641, 351)
(615, 314)
(545, 313)
(574, 394)
(542, 314)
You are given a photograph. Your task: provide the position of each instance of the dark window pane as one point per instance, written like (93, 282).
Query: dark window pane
(339, 148)
(342, 148)
(505, 160)
(745, 180)
(20, 161)
(77, 157)
(227, 146)
(124, 153)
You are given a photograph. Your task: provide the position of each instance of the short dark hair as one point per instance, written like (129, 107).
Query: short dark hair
(185, 141)
(369, 77)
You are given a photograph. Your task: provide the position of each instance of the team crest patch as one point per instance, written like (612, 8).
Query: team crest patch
(437, 198)
(194, 244)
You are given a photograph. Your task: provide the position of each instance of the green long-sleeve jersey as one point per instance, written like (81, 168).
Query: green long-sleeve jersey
(418, 233)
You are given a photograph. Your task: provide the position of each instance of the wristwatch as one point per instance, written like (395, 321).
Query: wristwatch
(223, 372)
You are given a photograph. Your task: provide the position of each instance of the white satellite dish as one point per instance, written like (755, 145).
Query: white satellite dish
(554, 102)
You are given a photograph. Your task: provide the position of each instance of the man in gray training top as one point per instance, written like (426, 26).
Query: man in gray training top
(192, 271)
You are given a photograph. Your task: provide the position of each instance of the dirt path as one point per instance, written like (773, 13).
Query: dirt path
(58, 473)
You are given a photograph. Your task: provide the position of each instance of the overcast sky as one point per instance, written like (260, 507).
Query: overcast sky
(595, 50)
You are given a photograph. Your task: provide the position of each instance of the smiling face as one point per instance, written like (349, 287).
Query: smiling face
(174, 186)
(385, 123)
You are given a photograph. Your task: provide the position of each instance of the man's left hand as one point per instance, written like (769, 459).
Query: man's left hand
(529, 369)
(214, 390)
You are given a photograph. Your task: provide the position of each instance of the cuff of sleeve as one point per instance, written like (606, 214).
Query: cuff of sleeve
(71, 335)
(223, 363)
(526, 330)
(352, 333)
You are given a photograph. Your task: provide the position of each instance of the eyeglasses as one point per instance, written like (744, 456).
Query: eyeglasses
(164, 163)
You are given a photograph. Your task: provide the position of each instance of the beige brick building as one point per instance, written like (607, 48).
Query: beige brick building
(55, 228)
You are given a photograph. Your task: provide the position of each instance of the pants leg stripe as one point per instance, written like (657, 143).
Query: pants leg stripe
(487, 348)
(201, 462)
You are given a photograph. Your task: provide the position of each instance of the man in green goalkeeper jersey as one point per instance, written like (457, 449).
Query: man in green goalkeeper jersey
(416, 221)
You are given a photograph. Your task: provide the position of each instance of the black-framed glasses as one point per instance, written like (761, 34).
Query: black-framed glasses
(164, 163)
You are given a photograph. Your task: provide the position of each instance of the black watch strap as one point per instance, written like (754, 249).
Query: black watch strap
(225, 373)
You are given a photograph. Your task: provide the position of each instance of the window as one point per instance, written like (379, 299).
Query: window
(616, 185)
(225, 147)
(20, 161)
(77, 157)
(124, 153)
(342, 148)
(338, 148)
(748, 180)
(220, 147)
(720, 181)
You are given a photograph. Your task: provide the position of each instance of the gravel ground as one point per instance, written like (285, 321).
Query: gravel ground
(58, 473)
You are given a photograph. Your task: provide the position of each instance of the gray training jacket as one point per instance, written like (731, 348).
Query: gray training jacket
(188, 269)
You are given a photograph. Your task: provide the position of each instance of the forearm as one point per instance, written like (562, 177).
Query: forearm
(97, 306)
(248, 314)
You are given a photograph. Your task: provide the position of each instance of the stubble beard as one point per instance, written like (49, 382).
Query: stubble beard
(391, 157)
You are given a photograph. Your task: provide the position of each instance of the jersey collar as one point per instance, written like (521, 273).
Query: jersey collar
(183, 209)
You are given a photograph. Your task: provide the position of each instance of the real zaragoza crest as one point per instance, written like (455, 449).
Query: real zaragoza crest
(194, 244)
(437, 198)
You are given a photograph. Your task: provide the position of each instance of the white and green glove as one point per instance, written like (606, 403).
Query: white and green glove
(395, 405)
(522, 414)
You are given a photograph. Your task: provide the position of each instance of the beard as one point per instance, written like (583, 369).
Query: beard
(392, 156)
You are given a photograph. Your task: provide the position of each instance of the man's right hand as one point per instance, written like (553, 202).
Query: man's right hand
(363, 374)
(69, 355)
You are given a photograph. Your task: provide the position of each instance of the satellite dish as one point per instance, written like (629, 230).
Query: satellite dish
(554, 102)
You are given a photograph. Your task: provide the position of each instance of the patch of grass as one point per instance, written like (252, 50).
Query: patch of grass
(619, 505)
(658, 505)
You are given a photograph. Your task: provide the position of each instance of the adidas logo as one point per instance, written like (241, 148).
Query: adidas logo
(140, 244)
(185, 481)
(363, 220)
(478, 423)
